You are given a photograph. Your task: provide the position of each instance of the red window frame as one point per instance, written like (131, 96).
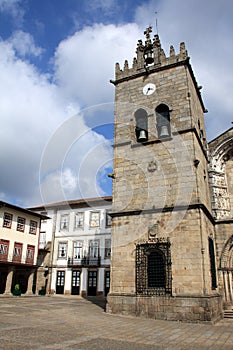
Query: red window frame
(21, 225)
(33, 227)
(30, 254)
(4, 248)
(18, 247)
(7, 222)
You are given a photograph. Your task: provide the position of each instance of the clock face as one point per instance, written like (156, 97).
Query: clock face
(148, 89)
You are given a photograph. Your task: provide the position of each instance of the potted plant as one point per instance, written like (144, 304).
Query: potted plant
(17, 290)
(42, 291)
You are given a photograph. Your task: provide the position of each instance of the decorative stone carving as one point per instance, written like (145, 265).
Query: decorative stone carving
(152, 166)
(153, 231)
(218, 182)
(226, 254)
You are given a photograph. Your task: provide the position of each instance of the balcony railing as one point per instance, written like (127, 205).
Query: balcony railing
(85, 261)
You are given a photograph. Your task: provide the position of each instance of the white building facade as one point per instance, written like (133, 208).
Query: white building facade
(75, 247)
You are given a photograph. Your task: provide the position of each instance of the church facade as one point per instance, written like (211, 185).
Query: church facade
(172, 206)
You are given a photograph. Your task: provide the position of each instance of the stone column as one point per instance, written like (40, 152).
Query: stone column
(9, 280)
(226, 289)
(100, 290)
(83, 284)
(230, 285)
(30, 283)
(68, 281)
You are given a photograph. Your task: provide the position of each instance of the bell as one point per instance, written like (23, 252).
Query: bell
(164, 131)
(148, 57)
(142, 136)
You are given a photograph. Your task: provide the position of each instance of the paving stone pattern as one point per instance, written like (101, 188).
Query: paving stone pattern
(61, 322)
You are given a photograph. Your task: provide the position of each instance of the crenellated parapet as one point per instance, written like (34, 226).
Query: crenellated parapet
(149, 56)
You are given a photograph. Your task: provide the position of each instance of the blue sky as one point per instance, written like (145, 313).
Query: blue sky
(51, 21)
(56, 60)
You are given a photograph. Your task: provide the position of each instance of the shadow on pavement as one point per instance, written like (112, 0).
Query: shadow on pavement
(97, 300)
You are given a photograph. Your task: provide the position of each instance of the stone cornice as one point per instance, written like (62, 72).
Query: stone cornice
(164, 210)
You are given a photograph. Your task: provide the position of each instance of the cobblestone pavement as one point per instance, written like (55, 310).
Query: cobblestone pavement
(69, 323)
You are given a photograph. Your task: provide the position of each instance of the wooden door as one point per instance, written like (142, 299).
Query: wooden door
(75, 288)
(60, 282)
(92, 282)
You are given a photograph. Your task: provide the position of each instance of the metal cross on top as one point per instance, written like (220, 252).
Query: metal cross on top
(147, 32)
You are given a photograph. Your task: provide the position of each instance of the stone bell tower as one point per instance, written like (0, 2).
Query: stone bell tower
(163, 241)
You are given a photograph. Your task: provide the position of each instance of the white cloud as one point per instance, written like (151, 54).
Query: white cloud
(72, 159)
(85, 62)
(69, 180)
(59, 185)
(30, 109)
(24, 44)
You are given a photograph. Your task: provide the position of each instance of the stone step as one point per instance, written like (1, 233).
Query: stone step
(228, 314)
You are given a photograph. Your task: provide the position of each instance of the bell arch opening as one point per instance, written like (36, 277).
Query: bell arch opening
(163, 121)
(141, 129)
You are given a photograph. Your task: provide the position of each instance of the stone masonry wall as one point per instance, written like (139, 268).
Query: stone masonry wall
(189, 253)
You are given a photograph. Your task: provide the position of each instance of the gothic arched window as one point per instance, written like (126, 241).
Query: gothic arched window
(163, 121)
(141, 128)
